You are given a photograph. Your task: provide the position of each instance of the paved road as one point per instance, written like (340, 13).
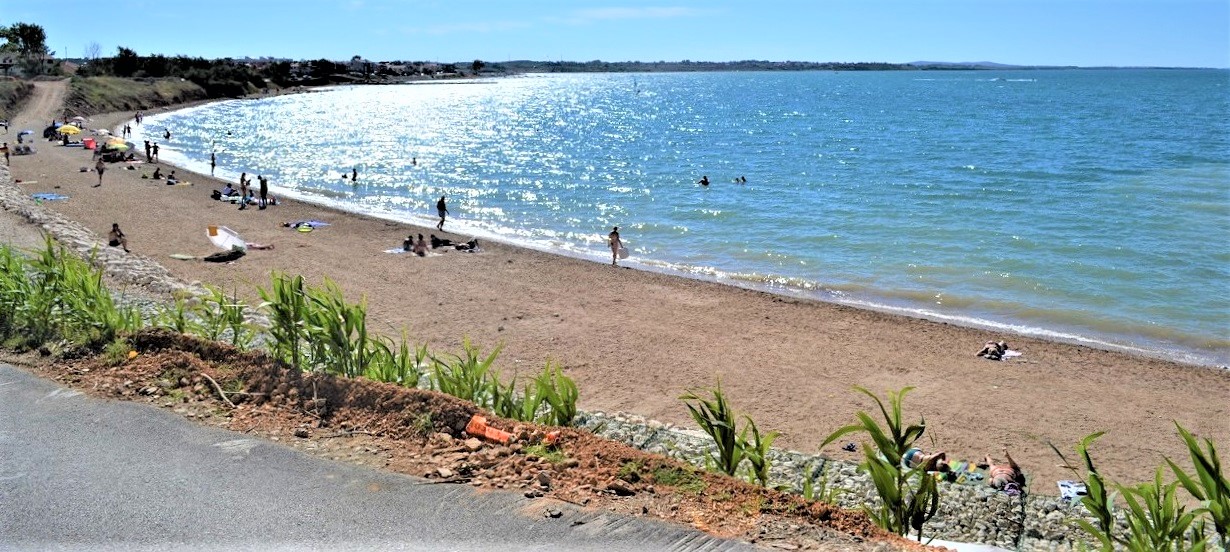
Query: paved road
(79, 473)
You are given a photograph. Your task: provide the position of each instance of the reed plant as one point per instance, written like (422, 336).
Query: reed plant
(285, 302)
(558, 392)
(177, 316)
(337, 335)
(53, 294)
(1155, 518)
(715, 417)
(719, 420)
(1209, 485)
(908, 497)
(467, 377)
(400, 363)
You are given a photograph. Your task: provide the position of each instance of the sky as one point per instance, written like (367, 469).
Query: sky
(1171, 33)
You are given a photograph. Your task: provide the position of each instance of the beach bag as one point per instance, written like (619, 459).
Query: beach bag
(623, 251)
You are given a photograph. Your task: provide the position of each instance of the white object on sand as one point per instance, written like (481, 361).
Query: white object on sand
(225, 239)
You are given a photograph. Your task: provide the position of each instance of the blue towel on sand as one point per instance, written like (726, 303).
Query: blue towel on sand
(46, 196)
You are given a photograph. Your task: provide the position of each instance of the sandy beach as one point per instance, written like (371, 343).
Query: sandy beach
(634, 341)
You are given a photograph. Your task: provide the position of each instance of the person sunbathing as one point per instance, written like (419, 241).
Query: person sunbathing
(993, 350)
(1005, 477)
(420, 247)
(914, 458)
(116, 237)
(437, 243)
(471, 245)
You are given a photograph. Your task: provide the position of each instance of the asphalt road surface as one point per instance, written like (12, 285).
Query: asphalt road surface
(79, 473)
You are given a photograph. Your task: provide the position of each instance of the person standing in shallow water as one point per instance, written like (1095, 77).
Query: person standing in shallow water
(441, 208)
(614, 242)
(213, 162)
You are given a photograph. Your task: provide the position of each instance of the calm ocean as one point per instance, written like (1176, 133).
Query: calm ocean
(1083, 205)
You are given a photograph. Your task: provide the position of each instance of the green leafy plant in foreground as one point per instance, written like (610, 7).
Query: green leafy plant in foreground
(716, 417)
(908, 497)
(1209, 485)
(1156, 521)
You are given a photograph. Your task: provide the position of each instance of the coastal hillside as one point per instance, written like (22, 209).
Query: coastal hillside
(13, 93)
(90, 95)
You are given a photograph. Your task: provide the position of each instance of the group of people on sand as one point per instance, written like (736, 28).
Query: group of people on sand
(1006, 477)
(419, 247)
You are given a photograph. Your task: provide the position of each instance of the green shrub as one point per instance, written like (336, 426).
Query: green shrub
(286, 305)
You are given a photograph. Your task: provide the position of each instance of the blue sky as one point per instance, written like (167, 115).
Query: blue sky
(1185, 33)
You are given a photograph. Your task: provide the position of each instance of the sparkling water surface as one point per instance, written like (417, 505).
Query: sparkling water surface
(1083, 205)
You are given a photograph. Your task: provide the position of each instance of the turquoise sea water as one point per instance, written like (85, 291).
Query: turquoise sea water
(1085, 205)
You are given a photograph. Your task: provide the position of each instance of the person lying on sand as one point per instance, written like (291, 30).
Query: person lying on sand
(471, 245)
(914, 458)
(1005, 477)
(253, 245)
(993, 350)
(437, 243)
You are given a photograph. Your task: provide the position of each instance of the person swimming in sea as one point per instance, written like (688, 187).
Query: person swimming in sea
(704, 180)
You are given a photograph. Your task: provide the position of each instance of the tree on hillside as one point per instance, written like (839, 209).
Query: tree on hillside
(27, 38)
(92, 51)
(30, 41)
(125, 63)
(477, 65)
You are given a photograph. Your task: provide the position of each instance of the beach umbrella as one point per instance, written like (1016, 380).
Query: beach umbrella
(119, 145)
(102, 132)
(224, 238)
(68, 129)
(79, 119)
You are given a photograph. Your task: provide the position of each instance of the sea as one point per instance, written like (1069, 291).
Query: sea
(1086, 206)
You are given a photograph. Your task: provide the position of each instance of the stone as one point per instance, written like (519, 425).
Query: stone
(302, 433)
(472, 444)
(444, 472)
(544, 479)
(552, 513)
(620, 488)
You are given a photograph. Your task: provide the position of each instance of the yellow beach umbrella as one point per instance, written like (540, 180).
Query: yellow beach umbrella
(68, 129)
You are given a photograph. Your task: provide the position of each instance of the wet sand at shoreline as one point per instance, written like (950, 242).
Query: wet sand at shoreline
(636, 340)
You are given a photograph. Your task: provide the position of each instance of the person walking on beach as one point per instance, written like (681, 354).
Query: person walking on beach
(441, 208)
(264, 191)
(116, 237)
(615, 244)
(213, 162)
(155, 152)
(148, 158)
(100, 168)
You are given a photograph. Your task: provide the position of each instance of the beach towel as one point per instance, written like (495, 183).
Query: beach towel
(46, 196)
(182, 257)
(397, 251)
(1071, 490)
(308, 224)
(1011, 354)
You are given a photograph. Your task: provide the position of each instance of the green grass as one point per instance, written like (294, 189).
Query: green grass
(553, 456)
(13, 93)
(89, 95)
(683, 479)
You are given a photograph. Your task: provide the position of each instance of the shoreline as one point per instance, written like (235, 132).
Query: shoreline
(882, 301)
(634, 340)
